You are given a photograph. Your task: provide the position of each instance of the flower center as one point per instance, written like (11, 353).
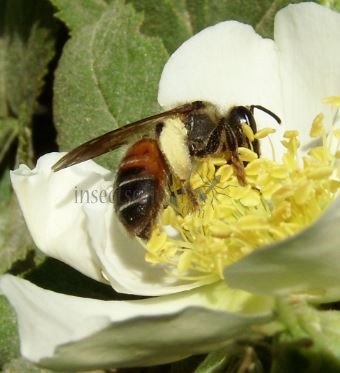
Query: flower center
(280, 199)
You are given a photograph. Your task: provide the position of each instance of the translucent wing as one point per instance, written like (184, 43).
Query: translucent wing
(116, 138)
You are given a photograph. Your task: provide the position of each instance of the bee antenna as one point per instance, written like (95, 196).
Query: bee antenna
(265, 110)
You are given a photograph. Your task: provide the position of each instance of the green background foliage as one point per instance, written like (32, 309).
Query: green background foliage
(96, 64)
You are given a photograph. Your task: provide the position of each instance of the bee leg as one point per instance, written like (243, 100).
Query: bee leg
(232, 146)
(238, 167)
(187, 190)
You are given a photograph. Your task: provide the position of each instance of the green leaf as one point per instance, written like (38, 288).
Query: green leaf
(108, 76)
(176, 29)
(243, 354)
(8, 133)
(28, 34)
(21, 365)
(333, 4)
(167, 19)
(78, 14)
(215, 362)
(265, 24)
(259, 13)
(15, 241)
(3, 106)
(5, 189)
(311, 339)
(9, 344)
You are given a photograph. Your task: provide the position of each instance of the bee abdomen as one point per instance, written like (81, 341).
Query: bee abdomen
(133, 200)
(139, 187)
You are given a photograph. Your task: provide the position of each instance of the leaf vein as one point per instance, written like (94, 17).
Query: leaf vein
(93, 68)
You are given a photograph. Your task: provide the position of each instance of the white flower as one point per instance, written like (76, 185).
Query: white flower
(226, 64)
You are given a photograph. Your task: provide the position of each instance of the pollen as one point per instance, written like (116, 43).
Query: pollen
(229, 221)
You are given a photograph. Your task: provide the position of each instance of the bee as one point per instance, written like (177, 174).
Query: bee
(168, 143)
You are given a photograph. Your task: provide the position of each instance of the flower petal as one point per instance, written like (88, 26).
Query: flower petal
(54, 217)
(307, 36)
(122, 257)
(227, 64)
(66, 332)
(86, 235)
(307, 263)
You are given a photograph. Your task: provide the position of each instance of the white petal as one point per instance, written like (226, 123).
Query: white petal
(122, 257)
(227, 64)
(53, 214)
(307, 263)
(66, 332)
(307, 36)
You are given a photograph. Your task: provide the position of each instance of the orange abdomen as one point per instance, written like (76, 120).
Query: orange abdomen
(139, 187)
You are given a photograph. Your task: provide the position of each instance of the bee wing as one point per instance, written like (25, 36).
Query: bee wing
(118, 137)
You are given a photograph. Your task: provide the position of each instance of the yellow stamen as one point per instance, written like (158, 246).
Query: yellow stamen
(263, 133)
(291, 134)
(279, 199)
(317, 129)
(337, 133)
(246, 155)
(248, 132)
(332, 100)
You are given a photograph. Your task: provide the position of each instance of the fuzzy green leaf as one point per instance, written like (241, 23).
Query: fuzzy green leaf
(167, 19)
(108, 76)
(259, 13)
(28, 34)
(3, 108)
(78, 14)
(9, 344)
(8, 133)
(15, 241)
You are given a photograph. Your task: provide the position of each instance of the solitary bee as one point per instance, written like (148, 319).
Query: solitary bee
(168, 143)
